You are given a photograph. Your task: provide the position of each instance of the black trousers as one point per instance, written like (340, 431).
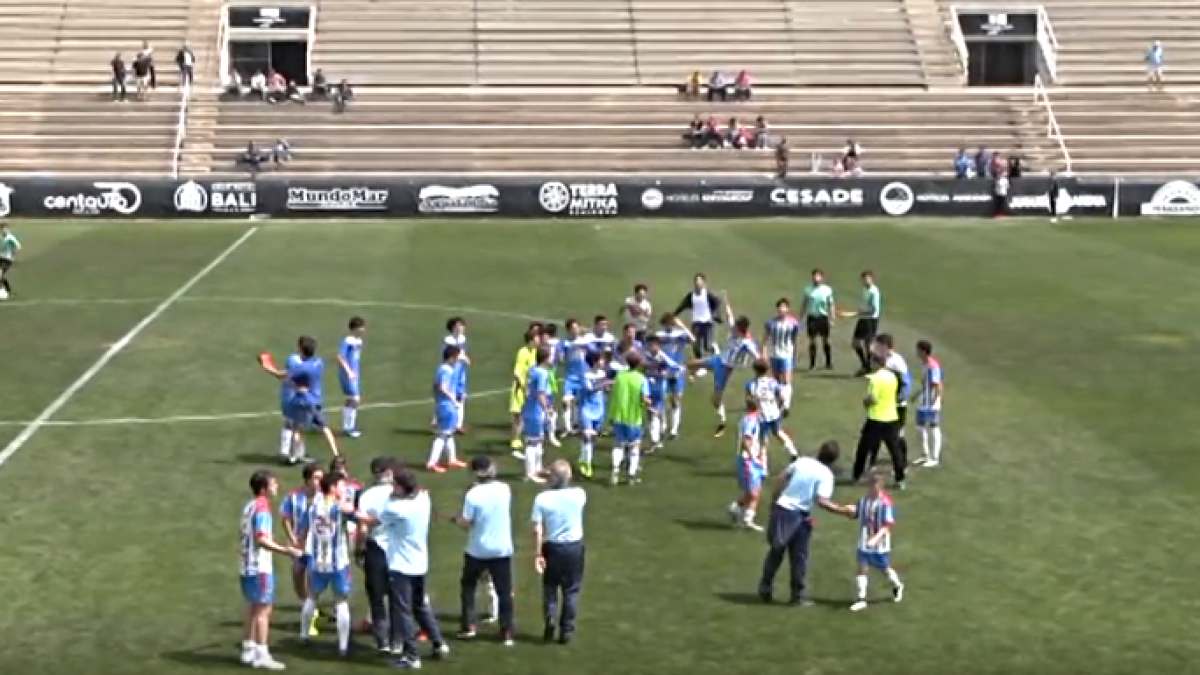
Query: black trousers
(500, 570)
(375, 571)
(187, 75)
(872, 436)
(1053, 203)
(410, 612)
(561, 584)
(999, 205)
(703, 331)
(118, 88)
(789, 533)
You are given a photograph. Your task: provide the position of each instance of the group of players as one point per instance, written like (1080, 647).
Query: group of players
(587, 383)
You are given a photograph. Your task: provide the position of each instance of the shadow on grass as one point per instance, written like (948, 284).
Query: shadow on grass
(422, 431)
(212, 657)
(252, 458)
(743, 598)
(704, 525)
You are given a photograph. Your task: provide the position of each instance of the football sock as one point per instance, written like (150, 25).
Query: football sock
(861, 582)
(342, 610)
(635, 460)
(451, 450)
(532, 459)
(936, 447)
(893, 577)
(585, 454)
(495, 599)
(618, 457)
(308, 614)
(747, 516)
(551, 424)
(285, 443)
(6, 286)
(301, 449)
(721, 413)
(812, 356)
(925, 448)
(462, 414)
(828, 355)
(676, 419)
(788, 444)
(566, 416)
(435, 451)
(349, 418)
(786, 392)
(655, 428)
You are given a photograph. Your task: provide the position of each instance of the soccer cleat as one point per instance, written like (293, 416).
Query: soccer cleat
(585, 469)
(458, 464)
(440, 651)
(931, 463)
(735, 514)
(673, 435)
(535, 478)
(507, 638)
(553, 439)
(268, 662)
(516, 444)
(407, 663)
(898, 592)
(435, 468)
(248, 657)
(353, 433)
(548, 634)
(614, 479)
(858, 606)
(921, 461)
(635, 479)
(461, 431)
(468, 634)
(518, 454)
(654, 447)
(720, 430)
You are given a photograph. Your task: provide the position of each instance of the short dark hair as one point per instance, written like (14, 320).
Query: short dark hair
(380, 465)
(867, 273)
(406, 480)
(653, 339)
(742, 323)
(633, 359)
(829, 452)
(571, 323)
(782, 302)
(357, 322)
(552, 329)
(307, 346)
(818, 270)
(331, 479)
(259, 480)
(667, 319)
(761, 367)
(598, 318)
(925, 346)
(886, 340)
(591, 358)
(483, 467)
(309, 471)
(641, 287)
(542, 355)
(337, 464)
(454, 322)
(699, 276)
(628, 327)
(450, 351)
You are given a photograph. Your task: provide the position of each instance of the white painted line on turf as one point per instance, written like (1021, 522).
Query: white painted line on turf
(225, 417)
(117, 347)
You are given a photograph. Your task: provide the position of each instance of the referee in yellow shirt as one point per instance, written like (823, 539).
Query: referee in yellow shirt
(526, 358)
(883, 421)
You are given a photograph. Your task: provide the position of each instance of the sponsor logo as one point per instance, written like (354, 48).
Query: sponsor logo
(579, 199)
(114, 197)
(191, 197)
(819, 198)
(357, 198)
(996, 24)
(470, 199)
(955, 198)
(896, 199)
(712, 197)
(5, 200)
(652, 199)
(233, 197)
(269, 17)
(1066, 202)
(1177, 198)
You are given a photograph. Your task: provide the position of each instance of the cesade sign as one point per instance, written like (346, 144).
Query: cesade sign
(820, 198)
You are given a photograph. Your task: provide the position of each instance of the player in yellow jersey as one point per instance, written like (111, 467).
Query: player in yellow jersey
(526, 357)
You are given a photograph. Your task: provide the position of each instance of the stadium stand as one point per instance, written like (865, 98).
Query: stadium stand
(62, 51)
(1104, 42)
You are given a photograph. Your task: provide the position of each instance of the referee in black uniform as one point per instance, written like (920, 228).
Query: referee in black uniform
(372, 545)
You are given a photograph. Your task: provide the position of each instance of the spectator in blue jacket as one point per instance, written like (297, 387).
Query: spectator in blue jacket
(964, 166)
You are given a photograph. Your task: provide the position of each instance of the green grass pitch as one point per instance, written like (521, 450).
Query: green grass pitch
(1059, 535)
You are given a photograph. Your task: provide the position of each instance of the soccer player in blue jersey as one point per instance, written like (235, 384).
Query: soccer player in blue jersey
(601, 339)
(779, 345)
(456, 336)
(740, 350)
(674, 337)
(350, 374)
(327, 555)
(876, 517)
(766, 393)
(303, 362)
(445, 409)
(751, 469)
(575, 349)
(303, 411)
(661, 369)
(536, 412)
(295, 521)
(554, 344)
(256, 568)
(593, 404)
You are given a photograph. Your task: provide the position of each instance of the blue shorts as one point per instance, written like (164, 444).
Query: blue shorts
(626, 434)
(768, 428)
(721, 373)
(304, 417)
(675, 386)
(750, 475)
(781, 365)
(591, 425)
(445, 419)
(319, 582)
(259, 589)
(658, 395)
(533, 426)
(929, 418)
(879, 561)
(350, 389)
(572, 388)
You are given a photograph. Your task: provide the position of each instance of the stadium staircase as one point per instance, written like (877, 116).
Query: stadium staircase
(63, 123)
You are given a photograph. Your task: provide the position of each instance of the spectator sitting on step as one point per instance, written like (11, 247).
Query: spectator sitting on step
(342, 95)
(1016, 166)
(691, 86)
(983, 162)
(762, 133)
(695, 133)
(253, 158)
(292, 93)
(720, 86)
(276, 87)
(258, 85)
(320, 86)
(235, 86)
(712, 133)
(282, 152)
(849, 163)
(736, 135)
(743, 87)
(964, 166)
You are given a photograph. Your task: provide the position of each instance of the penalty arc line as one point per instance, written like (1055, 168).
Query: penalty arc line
(14, 446)
(226, 417)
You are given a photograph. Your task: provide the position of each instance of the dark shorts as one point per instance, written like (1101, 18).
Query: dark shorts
(817, 326)
(5, 265)
(865, 330)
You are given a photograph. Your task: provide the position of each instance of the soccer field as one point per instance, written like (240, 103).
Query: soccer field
(1058, 536)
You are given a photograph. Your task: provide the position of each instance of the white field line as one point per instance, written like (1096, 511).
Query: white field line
(33, 426)
(225, 417)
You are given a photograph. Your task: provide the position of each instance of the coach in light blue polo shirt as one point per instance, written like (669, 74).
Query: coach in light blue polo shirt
(558, 529)
(405, 522)
(487, 517)
(805, 484)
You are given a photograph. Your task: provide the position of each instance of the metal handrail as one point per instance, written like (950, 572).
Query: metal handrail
(1041, 96)
(960, 43)
(185, 93)
(1048, 42)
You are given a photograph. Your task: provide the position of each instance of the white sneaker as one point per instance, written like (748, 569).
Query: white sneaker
(898, 593)
(735, 513)
(518, 454)
(268, 662)
(858, 606)
(751, 525)
(931, 463)
(614, 479)
(920, 461)
(535, 478)
(248, 656)
(553, 439)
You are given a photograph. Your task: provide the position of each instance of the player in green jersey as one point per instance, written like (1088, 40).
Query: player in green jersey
(9, 245)
(867, 325)
(627, 405)
(819, 311)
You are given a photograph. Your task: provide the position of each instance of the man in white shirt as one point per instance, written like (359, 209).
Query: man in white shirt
(372, 550)
(804, 485)
(638, 310)
(487, 517)
(705, 307)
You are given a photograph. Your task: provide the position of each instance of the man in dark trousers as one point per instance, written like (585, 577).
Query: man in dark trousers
(487, 517)
(1000, 189)
(705, 307)
(119, 74)
(883, 421)
(372, 547)
(558, 535)
(804, 485)
(1054, 188)
(185, 60)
